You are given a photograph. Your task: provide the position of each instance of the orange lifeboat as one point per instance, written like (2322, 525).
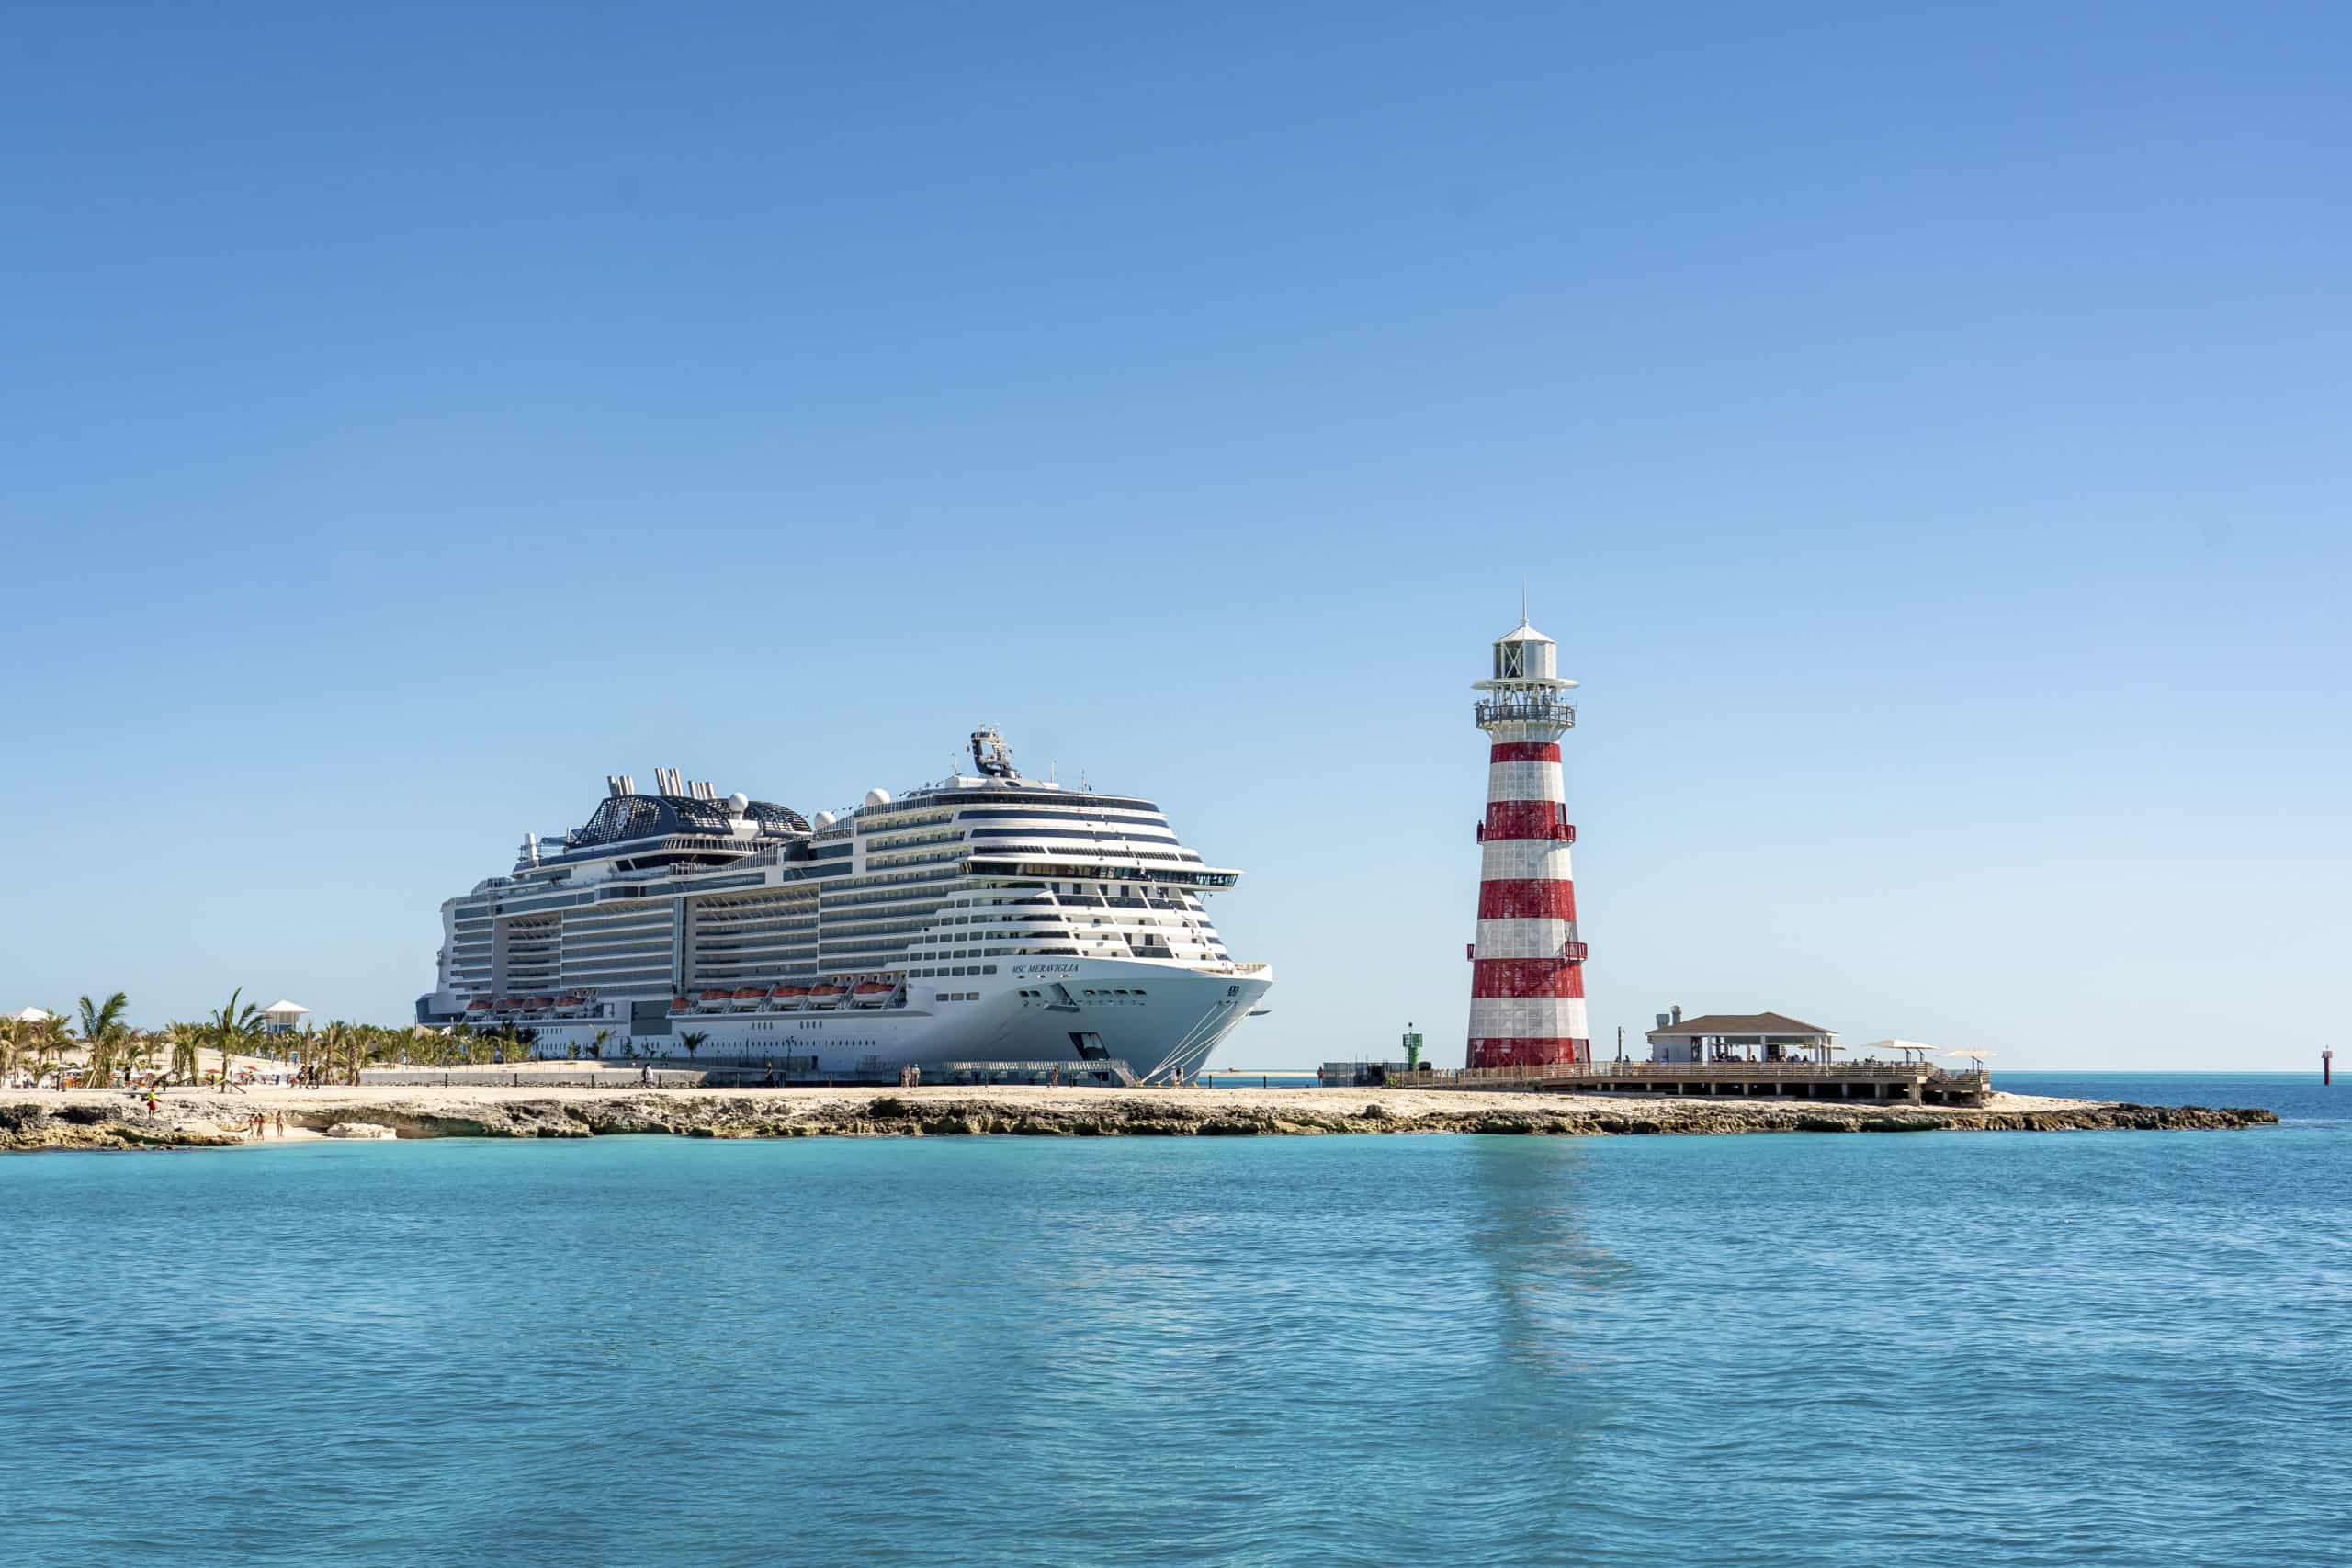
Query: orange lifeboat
(789, 995)
(712, 999)
(872, 993)
(480, 1004)
(826, 993)
(680, 1004)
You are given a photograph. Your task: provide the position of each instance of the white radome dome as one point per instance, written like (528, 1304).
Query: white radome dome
(826, 820)
(877, 797)
(738, 803)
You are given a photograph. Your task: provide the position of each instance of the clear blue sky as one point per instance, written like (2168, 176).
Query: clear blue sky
(1924, 429)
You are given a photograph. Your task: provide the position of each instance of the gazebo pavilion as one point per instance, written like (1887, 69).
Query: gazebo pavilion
(1740, 1036)
(283, 1017)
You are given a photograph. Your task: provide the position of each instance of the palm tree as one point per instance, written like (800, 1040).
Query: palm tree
(185, 1039)
(597, 1045)
(17, 1037)
(104, 1032)
(54, 1034)
(525, 1043)
(692, 1040)
(139, 1049)
(333, 1046)
(231, 1027)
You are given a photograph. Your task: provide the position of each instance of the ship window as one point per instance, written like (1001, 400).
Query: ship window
(987, 969)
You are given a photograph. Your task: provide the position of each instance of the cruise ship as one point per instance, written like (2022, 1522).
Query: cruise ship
(987, 926)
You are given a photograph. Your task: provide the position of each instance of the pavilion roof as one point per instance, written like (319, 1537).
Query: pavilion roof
(1739, 1023)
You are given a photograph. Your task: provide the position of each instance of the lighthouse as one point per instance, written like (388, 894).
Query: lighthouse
(1527, 966)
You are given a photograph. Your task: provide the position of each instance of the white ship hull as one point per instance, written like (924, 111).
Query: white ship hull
(1154, 1017)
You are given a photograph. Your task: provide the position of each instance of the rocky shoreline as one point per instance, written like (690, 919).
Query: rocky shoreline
(102, 1119)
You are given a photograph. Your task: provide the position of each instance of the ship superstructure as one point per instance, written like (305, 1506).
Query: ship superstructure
(985, 925)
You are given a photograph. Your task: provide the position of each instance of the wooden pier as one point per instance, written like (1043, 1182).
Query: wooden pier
(1910, 1082)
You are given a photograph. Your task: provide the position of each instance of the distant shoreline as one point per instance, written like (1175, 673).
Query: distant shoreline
(102, 1118)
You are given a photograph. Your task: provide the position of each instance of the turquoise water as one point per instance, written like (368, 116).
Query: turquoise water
(1814, 1348)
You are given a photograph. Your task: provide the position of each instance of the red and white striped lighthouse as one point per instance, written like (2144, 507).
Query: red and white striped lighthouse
(1527, 966)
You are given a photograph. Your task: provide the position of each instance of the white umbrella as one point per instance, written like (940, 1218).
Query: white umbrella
(1909, 1047)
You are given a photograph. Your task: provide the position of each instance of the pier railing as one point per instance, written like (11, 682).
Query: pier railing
(1693, 1072)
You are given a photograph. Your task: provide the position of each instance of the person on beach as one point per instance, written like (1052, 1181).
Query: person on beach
(281, 1123)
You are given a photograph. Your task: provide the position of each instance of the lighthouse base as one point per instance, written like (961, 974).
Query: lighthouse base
(1527, 1053)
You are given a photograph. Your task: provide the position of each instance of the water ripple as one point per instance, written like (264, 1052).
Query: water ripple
(1793, 1350)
